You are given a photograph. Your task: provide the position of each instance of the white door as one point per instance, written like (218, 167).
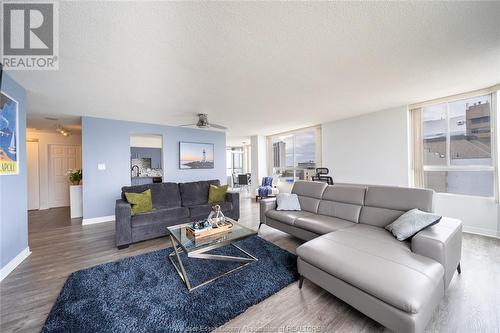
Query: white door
(61, 159)
(33, 176)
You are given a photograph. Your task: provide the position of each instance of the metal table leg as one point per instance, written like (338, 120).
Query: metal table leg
(182, 271)
(200, 255)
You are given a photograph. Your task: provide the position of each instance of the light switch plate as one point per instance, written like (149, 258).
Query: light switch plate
(101, 166)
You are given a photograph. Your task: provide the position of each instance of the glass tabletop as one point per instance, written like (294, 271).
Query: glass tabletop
(189, 243)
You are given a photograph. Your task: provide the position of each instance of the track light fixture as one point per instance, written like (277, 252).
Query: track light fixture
(62, 130)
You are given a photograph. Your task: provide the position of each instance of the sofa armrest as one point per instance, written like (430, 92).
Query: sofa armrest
(266, 205)
(443, 243)
(123, 225)
(234, 199)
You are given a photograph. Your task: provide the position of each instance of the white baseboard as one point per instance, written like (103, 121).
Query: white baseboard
(7, 269)
(98, 220)
(481, 231)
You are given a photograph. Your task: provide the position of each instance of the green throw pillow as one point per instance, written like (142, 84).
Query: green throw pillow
(141, 202)
(217, 194)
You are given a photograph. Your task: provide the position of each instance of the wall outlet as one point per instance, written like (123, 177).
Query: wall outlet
(101, 166)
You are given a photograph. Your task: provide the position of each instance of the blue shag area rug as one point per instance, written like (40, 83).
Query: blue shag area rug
(145, 294)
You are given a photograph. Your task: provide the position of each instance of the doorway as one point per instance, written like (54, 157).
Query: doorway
(146, 159)
(61, 159)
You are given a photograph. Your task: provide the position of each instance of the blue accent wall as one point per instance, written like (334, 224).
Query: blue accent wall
(14, 188)
(106, 141)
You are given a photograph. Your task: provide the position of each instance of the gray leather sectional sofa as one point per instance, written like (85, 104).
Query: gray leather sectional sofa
(350, 254)
(173, 203)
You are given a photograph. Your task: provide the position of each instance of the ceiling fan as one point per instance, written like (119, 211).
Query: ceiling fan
(203, 122)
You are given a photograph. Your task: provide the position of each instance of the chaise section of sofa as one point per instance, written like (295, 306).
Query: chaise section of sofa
(349, 253)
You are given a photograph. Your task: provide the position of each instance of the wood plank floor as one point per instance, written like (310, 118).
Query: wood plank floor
(61, 246)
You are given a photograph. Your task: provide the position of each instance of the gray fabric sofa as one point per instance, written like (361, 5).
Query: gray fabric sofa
(173, 204)
(350, 254)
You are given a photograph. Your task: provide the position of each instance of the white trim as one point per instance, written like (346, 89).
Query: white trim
(459, 168)
(295, 131)
(482, 231)
(448, 135)
(457, 97)
(98, 220)
(495, 144)
(487, 199)
(11, 265)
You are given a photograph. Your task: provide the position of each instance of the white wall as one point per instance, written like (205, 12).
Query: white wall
(146, 141)
(44, 140)
(374, 149)
(370, 149)
(479, 215)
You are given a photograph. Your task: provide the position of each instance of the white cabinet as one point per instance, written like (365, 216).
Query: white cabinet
(76, 203)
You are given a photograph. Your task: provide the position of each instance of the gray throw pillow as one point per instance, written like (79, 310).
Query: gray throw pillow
(412, 222)
(287, 201)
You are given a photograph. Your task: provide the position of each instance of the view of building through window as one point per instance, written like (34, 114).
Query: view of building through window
(234, 158)
(294, 156)
(457, 147)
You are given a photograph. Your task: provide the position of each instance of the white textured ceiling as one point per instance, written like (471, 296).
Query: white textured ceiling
(263, 67)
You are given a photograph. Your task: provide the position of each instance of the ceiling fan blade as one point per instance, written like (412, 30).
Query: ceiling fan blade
(218, 126)
(185, 125)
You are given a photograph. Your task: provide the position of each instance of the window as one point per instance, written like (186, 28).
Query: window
(234, 160)
(295, 155)
(457, 147)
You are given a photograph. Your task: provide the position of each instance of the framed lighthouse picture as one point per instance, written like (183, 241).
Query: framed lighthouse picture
(9, 135)
(193, 155)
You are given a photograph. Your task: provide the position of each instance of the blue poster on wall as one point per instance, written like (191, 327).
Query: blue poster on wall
(9, 140)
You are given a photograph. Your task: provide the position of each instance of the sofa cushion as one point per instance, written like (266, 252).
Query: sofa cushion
(340, 210)
(384, 204)
(140, 202)
(202, 211)
(380, 235)
(412, 222)
(287, 216)
(287, 201)
(164, 195)
(350, 194)
(309, 204)
(370, 259)
(321, 224)
(160, 215)
(309, 194)
(216, 194)
(196, 193)
(379, 217)
(399, 198)
(309, 189)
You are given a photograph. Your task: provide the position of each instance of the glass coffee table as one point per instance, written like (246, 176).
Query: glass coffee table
(183, 241)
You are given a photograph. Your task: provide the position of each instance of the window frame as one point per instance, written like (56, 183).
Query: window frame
(493, 94)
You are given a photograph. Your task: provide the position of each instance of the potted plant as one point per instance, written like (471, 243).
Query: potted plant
(74, 176)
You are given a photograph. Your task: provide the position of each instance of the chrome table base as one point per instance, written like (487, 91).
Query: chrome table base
(202, 255)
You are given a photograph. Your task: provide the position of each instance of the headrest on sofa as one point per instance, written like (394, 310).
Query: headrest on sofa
(309, 189)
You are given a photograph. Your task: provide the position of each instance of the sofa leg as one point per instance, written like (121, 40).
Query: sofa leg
(459, 269)
(301, 281)
(121, 247)
(260, 223)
